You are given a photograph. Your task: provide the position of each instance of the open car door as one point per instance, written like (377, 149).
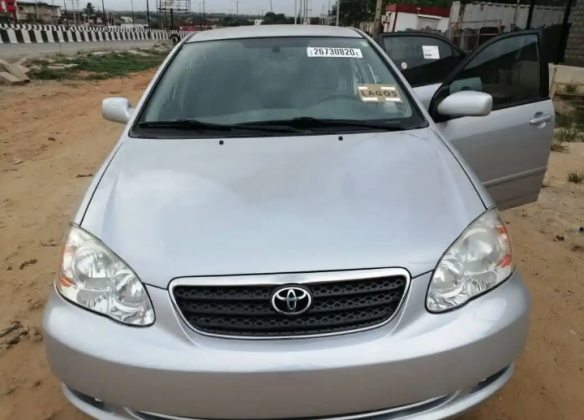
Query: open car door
(509, 148)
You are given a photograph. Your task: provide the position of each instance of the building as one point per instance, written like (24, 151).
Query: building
(575, 40)
(8, 7)
(36, 12)
(402, 17)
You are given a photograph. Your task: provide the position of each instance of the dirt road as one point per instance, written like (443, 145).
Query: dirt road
(52, 139)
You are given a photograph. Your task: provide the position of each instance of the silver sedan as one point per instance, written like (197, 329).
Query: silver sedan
(286, 229)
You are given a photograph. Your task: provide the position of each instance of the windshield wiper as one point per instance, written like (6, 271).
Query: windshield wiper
(311, 122)
(187, 124)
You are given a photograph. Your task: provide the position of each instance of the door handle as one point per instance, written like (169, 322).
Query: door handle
(540, 119)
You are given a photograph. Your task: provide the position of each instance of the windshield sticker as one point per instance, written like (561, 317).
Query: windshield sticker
(378, 93)
(431, 52)
(334, 52)
(404, 65)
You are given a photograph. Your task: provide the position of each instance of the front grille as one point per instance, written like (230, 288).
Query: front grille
(337, 307)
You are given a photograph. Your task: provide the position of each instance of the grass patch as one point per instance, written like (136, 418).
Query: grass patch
(576, 177)
(567, 135)
(563, 120)
(572, 121)
(100, 67)
(558, 146)
(578, 120)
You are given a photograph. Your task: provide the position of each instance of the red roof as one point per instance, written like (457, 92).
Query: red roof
(419, 10)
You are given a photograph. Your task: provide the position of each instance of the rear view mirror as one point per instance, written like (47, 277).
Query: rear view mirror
(117, 110)
(466, 103)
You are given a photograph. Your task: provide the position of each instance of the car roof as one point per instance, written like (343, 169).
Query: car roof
(269, 31)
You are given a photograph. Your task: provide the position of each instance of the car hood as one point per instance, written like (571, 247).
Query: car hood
(176, 208)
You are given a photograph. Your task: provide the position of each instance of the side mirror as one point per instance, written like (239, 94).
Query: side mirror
(467, 103)
(117, 110)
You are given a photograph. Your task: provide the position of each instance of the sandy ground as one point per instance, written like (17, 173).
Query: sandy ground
(52, 139)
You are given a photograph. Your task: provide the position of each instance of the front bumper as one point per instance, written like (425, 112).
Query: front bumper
(420, 366)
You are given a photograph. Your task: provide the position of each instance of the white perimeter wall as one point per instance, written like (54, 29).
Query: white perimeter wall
(413, 21)
(504, 14)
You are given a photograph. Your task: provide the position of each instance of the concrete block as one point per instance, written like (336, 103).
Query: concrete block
(140, 53)
(62, 66)
(3, 64)
(24, 62)
(10, 80)
(18, 71)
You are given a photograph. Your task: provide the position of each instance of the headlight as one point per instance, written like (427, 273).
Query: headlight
(480, 259)
(92, 276)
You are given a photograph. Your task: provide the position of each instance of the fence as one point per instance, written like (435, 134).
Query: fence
(40, 34)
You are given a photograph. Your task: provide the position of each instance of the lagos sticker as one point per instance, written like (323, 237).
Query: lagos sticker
(378, 93)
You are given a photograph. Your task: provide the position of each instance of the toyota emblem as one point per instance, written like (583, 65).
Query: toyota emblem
(291, 300)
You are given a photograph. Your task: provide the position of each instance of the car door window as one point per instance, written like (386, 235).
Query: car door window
(423, 60)
(509, 70)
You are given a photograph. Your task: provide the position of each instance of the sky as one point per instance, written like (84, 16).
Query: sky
(245, 6)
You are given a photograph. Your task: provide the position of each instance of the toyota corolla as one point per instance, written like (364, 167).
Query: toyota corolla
(286, 229)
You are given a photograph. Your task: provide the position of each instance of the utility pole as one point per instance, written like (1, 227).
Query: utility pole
(377, 19)
(271, 7)
(147, 13)
(36, 6)
(339, 7)
(366, 19)
(66, 19)
(295, 13)
(237, 6)
(104, 15)
(300, 2)
(74, 14)
(132, 5)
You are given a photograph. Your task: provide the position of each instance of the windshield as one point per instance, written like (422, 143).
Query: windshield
(247, 81)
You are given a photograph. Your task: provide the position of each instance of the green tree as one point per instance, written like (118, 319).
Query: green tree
(354, 11)
(89, 9)
(235, 21)
(276, 19)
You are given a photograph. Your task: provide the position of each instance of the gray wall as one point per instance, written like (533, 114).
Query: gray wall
(575, 47)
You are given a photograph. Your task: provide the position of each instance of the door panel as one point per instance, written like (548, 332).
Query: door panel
(508, 149)
(424, 59)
